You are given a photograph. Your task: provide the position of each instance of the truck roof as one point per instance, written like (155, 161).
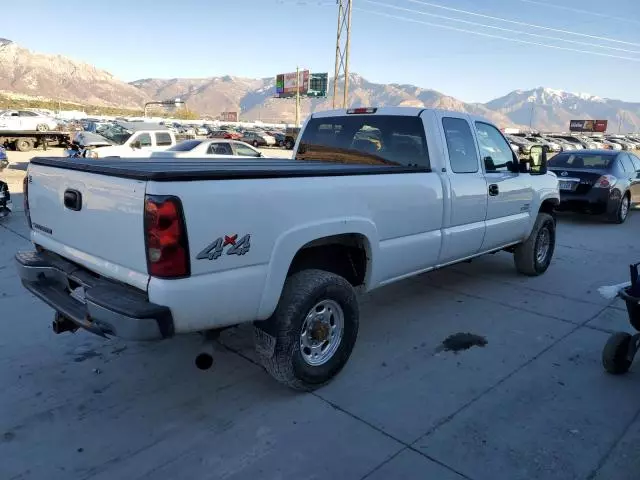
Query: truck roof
(170, 169)
(399, 111)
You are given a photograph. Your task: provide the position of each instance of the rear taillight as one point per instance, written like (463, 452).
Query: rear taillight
(605, 181)
(25, 196)
(166, 237)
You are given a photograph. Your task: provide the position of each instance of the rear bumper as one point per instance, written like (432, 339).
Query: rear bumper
(597, 201)
(109, 308)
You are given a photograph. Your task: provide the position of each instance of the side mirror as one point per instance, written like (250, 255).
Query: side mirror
(260, 154)
(538, 160)
(136, 144)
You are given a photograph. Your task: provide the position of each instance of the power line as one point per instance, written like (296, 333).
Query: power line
(524, 24)
(579, 10)
(499, 37)
(502, 29)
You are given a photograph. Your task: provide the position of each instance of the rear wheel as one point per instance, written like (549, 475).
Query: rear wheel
(622, 212)
(314, 328)
(288, 144)
(615, 355)
(255, 143)
(24, 144)
(533, 256)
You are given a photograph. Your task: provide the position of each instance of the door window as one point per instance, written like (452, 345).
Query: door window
(144, 139)
(163, 139)
(627, 166)
(246, 151)
(462, 148)
(219, 149)
(636, 162)
(495, 151)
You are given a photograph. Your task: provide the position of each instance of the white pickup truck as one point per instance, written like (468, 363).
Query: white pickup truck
(124, 140)
(151, 249)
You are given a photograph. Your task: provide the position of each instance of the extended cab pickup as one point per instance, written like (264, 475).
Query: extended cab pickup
(155, 248)
(125, 140)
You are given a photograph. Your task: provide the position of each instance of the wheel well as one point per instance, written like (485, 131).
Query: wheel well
(549, 206)
(345, 255)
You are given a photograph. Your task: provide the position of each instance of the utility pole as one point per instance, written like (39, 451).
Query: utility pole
(343, 43)
(297, 97)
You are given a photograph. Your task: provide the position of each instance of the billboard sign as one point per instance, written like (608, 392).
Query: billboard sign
(229, 116)
(318, 84)
(588, 126)
(286, 84)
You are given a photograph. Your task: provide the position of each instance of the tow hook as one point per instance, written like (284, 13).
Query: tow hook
(62, 324)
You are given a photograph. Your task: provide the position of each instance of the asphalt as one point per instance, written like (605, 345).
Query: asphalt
(529, 401)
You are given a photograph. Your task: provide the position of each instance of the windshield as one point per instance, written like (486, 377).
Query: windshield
(185, 146)
(365, 139)
(576, 160)
(116, 134)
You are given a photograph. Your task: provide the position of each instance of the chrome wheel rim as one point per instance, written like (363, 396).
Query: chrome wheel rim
(544, 244)
(321, 333)
(624, 207)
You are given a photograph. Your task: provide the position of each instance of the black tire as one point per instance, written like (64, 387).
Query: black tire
(615, 358)
(289, 145)
(43, 127)
(24, 144)
(621, 213)
(526, 254)
(302, 291)
(256, 144)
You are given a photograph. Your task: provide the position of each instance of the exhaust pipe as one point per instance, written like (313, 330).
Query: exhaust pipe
(204, 361)
(62, 324)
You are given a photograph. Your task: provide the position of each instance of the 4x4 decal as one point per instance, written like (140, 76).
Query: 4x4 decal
(236, 247)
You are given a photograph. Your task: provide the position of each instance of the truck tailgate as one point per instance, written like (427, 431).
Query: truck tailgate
(99, 225)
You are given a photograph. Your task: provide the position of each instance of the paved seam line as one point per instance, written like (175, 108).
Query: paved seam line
(405, 445)
(615, 443)
(450, 417)
(14, 232)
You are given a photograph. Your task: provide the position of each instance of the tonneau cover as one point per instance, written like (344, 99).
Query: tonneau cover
(171, 169)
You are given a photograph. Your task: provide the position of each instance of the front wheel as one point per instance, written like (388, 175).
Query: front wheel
(314, 329)
(43, 127)
(533, 256)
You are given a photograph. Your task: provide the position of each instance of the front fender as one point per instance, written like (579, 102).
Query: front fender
(290, 242)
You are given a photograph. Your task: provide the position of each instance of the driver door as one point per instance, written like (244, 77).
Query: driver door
(510, 193)
(146, 145)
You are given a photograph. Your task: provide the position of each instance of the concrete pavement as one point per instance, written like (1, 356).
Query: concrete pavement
(534, 403)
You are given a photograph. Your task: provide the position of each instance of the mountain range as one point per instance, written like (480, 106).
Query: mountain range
(60, 78)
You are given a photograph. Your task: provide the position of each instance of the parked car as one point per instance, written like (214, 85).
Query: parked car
(209, 148)
(19, 120)
(169, 247)
(575, 143)
(523, 144)
(258, 139)
(280, 139)
(201, 130)
(228, 134)
(598, 182)
(547, 144)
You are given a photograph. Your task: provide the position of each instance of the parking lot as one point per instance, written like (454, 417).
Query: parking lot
(533, 403)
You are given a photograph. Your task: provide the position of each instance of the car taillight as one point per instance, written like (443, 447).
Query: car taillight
(166, 237)
(605, 181)
(25, 196)
(361, 110)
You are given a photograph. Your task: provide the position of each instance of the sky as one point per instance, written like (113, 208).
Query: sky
(450, 50)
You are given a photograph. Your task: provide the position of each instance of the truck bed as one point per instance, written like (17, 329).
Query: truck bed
(166, 170)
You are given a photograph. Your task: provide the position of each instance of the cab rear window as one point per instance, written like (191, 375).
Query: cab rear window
(365, 139)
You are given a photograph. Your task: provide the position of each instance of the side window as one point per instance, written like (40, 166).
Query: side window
(144, 139)
(462, 148)
(496, 153)
(636, 162)
(26, 113)
(219, 149)
(627, 166)
(163, 139)
(245, 151)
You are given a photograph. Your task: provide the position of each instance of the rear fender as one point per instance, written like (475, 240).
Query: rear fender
(290, 242)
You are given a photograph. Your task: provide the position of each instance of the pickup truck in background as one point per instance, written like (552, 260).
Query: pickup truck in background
(150, 249)
(123, 139)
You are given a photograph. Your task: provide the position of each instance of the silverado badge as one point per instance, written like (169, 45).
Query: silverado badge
(236, 246)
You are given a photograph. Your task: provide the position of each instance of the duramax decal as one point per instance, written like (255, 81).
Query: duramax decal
(236, 247)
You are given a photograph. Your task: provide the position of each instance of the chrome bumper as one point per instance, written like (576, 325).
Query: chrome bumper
(99, 305)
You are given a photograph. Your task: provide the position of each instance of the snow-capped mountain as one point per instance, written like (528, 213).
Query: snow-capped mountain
(551, 109)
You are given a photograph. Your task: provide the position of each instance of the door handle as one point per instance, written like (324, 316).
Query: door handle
(73, 200)
(493, 190)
